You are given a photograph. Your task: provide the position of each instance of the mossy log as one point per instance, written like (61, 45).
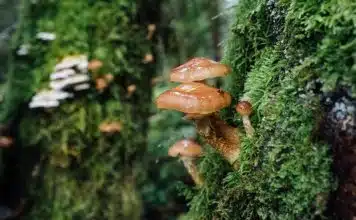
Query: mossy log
(295, 61)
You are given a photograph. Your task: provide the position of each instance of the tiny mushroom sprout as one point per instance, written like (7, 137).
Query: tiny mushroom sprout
(199, 69)
(130, 90)
(5, 141)
(95, 65)
(148, 58)
(151, 29)
(188, 151)
(200, 102)
(110, 127)
(244, 108)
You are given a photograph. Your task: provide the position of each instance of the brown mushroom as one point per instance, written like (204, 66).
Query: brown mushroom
(5, 141)
(109, 77)
(188, 151)
(151, 29)
(131, 89)
(101, 84)
(199, 69)
(194, 98)
(110, 127)
(200, 102)
(95, 65)
(244, 108)
(148, 58)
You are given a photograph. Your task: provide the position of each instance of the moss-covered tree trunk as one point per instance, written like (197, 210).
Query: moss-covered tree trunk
(61, 163)
(295, 61)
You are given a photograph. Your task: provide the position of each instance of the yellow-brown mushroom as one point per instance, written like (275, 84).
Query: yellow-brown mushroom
(101, 84)
(110, 127)
(200, 102)
(151, 30)
(131, 89)
(5, 141)
(198, 69)
(244, 108)
(148, 58)
(95, 65)
(188, 151)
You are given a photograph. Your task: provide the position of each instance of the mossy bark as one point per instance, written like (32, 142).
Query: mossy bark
(67, 168)
(287, 57)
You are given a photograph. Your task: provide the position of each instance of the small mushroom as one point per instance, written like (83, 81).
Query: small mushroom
(151, 30)
(148, 58)
(110, 127)
(198, 69)
(131, 89)
(95, 65)
(5, 142)
(200, 102)
(188, 151)
(244, 108)
(101, 84)
(109, 77)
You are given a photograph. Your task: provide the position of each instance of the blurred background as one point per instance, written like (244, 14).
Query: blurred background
(181, 30)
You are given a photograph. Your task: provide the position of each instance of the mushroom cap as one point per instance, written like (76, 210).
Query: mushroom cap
(194, 98)
(95, 65)
(198, 69)
(186, 148)
(244, 108)
(5, 141)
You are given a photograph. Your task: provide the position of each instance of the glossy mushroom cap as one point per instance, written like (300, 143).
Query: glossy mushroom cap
(186, 147)
(244, 108)
(198, 69)
(195, 98)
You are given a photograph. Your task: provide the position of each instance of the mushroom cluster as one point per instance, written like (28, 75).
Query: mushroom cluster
(201, 103)
(70, 75)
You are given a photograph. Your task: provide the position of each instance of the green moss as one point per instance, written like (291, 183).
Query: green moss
(276, 50)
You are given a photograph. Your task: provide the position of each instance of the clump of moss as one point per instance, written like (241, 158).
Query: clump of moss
(277, 50)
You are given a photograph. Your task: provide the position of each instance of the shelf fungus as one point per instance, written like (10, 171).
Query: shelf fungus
(198, 69)
(188, 151)
(200, 102)
(244, 108)
(79, 62)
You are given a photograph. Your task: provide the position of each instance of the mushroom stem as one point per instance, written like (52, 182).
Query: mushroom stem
(247, 125)
(220, 135)
(192, 170)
